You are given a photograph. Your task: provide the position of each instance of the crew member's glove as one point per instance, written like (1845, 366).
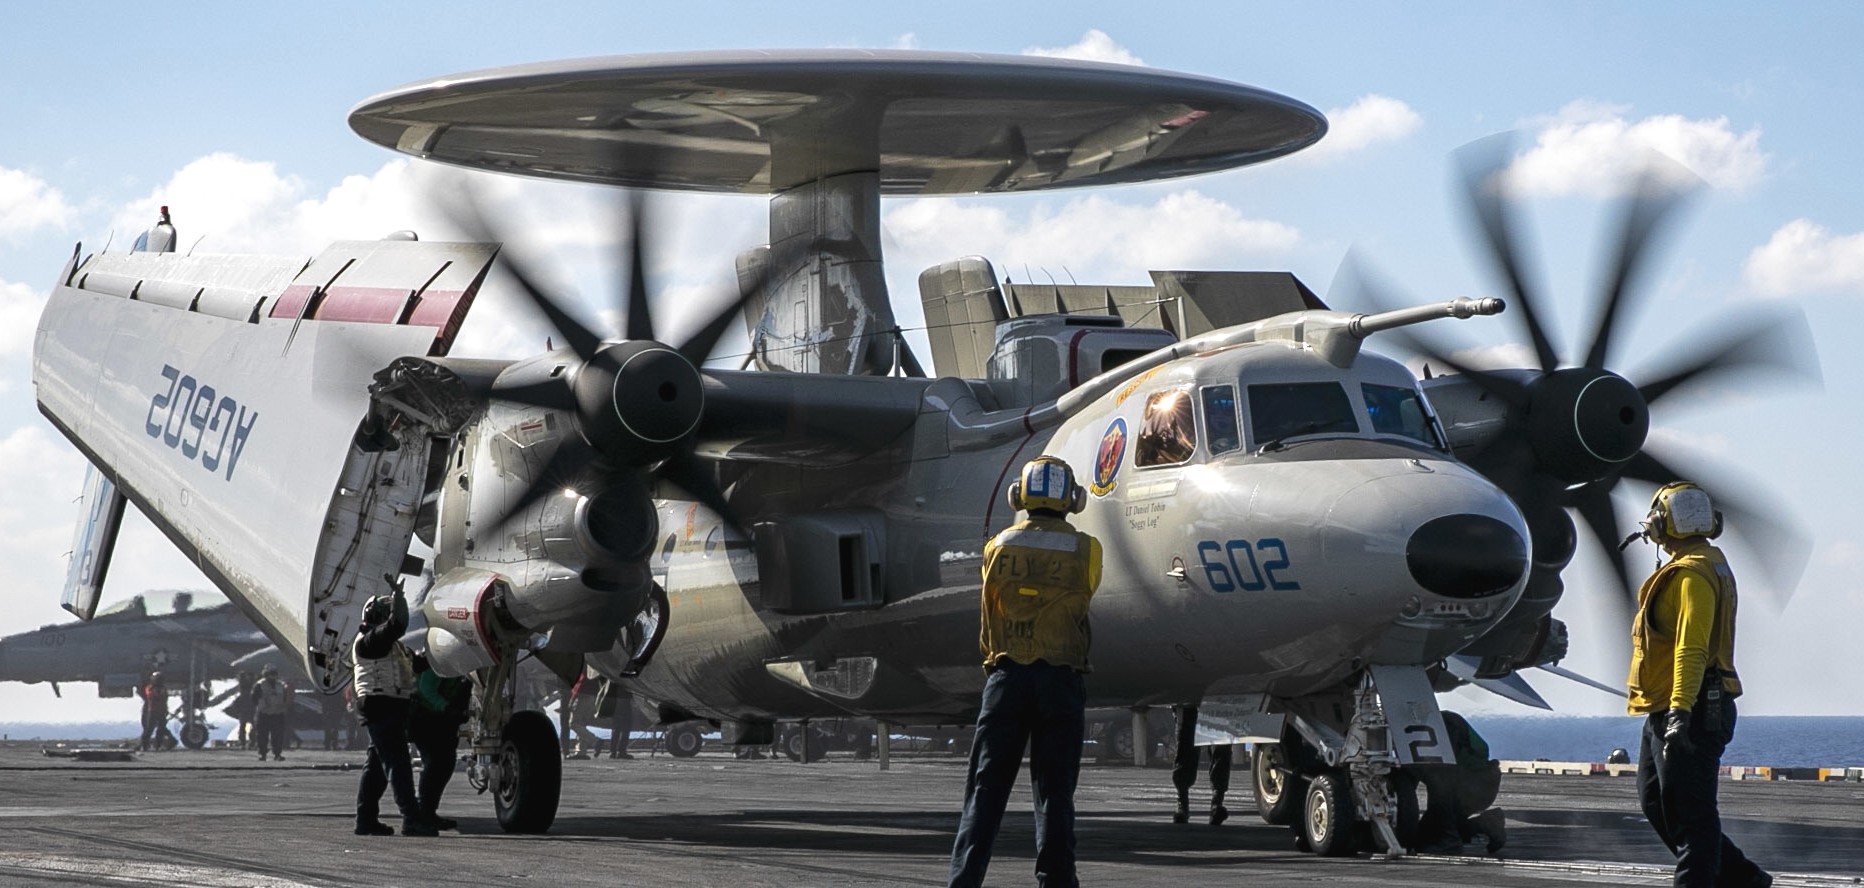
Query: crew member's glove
(1676, 730)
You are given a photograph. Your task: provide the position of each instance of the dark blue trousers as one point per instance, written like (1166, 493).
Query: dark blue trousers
(1184, 760)
(387, 721)
(1676, 789)
(1040, 707)
(438, 739)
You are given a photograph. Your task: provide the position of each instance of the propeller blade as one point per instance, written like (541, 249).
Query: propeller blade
(685, 472)
(567, 469)
(552, 393)
(1780, 545)
(640, 323)
(1357, 279)
(1593, 502)
(462, 209)
(1484, 162)
(1656, 194)
(697, 348)
(1779, 341)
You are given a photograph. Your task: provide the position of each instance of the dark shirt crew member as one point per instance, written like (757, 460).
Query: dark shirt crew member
(384, 683)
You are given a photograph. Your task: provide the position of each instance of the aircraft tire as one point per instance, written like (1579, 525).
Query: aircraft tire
(1328, 821)
(1116, 742)
(526, 798)
(1280, 792)
(793, 743)
(684, 741)
(194, 736)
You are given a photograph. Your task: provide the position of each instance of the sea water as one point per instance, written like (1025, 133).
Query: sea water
(1779, 741)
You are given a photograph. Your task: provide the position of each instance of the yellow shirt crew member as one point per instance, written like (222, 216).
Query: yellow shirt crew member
(1683, 682)
(1685, 624)
(1039, 576)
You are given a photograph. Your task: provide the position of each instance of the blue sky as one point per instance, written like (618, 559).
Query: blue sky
(234, 114)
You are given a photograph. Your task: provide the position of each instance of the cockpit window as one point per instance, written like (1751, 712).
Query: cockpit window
(165, 602)
(1169, 432)
(1220, 428)
(1396, 410)
(1291, 409)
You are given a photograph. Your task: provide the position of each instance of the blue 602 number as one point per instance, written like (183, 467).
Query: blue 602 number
(1234, 565)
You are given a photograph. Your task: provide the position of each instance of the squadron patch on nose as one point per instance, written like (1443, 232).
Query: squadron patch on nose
(1107, 461)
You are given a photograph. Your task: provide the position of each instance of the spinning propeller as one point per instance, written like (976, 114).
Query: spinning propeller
(1573, 433)
(636, 400)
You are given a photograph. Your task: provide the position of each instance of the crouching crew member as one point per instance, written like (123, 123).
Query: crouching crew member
(439, 708)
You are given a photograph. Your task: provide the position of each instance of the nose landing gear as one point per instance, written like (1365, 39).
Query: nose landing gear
(517, 759)
(1336, 782)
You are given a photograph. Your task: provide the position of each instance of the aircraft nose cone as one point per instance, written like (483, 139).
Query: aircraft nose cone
(1466, 556)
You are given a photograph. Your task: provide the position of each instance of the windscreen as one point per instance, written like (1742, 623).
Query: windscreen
(1220, 426)
(1278, 411)
(1396, 410)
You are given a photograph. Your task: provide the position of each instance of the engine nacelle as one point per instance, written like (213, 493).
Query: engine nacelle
(465, 629)
(1582, 424)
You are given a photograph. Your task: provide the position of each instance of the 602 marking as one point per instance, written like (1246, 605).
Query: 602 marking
(1227, 574)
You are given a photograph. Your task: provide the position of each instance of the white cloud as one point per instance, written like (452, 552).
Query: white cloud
(19, 317)
(908, 40)
(1371, 120)
(1804, 257)
(228, 204)
(27, 204)
(1595, 149)
(1092, 238)
(1094, 46)
(568, 235)
(41, 476)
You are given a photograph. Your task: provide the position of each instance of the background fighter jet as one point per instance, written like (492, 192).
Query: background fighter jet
(186, 633)
(193, 636)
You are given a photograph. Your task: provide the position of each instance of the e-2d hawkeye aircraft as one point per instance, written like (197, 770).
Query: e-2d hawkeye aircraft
(1289, 530)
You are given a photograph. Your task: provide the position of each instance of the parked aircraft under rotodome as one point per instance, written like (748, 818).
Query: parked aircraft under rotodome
(1300, 534)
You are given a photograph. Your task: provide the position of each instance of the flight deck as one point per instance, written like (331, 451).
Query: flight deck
(218, 818)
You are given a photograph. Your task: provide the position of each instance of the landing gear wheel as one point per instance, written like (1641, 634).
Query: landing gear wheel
(684, 741)
(793, 743)
(1278, 790)
(194, 736)
(1116, 742)
(530, 774)
(1328, 823)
